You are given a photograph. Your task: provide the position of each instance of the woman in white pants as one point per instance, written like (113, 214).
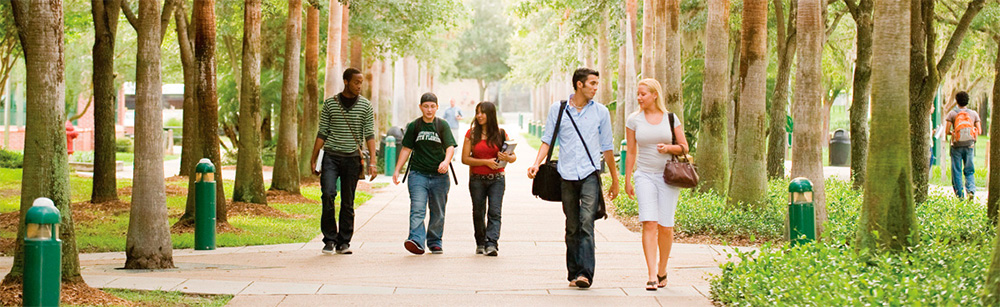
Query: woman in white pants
(650, 145)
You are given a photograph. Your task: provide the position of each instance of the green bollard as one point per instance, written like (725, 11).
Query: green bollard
(42, 255)
(390, 155)
(531, 128)
(520, 121)
(541, 130)
(801, 220)
(621, 160)
(204, 214)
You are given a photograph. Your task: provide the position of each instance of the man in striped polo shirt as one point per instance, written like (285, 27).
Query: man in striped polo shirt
(347, 121)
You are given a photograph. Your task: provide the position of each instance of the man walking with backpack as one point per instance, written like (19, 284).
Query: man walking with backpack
(963, 127)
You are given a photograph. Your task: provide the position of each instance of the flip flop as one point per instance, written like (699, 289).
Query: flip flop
(661, 281)
(651, 286)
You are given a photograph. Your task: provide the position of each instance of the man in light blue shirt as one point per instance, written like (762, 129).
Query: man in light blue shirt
(579, 167)
(453, 115)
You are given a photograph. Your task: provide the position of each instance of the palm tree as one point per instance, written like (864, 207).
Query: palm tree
(46, 165)
(888, 207)
(310, 103)
(749, 180)
(862, 13)
(668, 56)
(807, 152)
(777, 135)
(286, 167)
(713, 152)
(249, 186)
(147, 244)
(332, 83)
(105, 15)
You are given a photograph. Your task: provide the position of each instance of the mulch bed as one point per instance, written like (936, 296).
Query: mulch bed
(283, 197)
(70, 294)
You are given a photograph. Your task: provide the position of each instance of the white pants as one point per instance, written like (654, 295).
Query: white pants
(657, 200)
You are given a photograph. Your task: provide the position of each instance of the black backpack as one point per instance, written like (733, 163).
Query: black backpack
(437, 128)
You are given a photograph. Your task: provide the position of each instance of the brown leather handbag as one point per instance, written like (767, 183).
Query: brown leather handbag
(679, 172)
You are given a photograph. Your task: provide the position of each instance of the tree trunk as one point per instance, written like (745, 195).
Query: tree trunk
(310, 106)
(249, 186)
(604, 62)
(147, 244)
(777, 136)
(411, 90)
(286, 171)
(749, 178)
(713, 154)
(862, 91)
(207, 97)
(356, 53)
(992, 297)
(807, 153)
(40, 29)
(735, 85)
(648, 56)
(332, 83)
(105, 14)
(993, 200)
(345, 21)
(668, 61)
(191, 139)
(628, 100)
(618, 131)
(385, 97)
(925, 76)
(888, 206)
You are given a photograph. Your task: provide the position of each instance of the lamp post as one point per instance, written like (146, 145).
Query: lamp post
(801, 219)
(204, 214)
(42, 254)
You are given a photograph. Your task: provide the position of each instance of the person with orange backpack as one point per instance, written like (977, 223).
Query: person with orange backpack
(963, 127)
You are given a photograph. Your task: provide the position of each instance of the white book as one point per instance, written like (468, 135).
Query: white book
(508, 148)
(319, 161)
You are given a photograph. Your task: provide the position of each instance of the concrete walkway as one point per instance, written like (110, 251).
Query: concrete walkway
(530, 268)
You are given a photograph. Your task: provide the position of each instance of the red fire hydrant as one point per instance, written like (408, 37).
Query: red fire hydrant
(70, 136)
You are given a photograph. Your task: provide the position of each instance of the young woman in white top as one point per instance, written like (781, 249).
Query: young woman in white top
(650, 145)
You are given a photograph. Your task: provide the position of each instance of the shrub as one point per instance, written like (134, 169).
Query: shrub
(946, 267)
(82, 157)
(124, 145)
(11, 159)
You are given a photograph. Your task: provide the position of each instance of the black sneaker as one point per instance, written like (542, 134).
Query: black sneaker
(491, 251)
(413, 247)
(344, 249)
(437, 250)
(328, 248)
(480, 250)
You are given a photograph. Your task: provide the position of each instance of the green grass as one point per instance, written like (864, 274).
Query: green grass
(170, 299)
(106, 233)
(533, 141)
(128, 157)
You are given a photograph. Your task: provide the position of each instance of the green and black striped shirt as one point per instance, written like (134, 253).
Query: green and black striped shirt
(335, 126)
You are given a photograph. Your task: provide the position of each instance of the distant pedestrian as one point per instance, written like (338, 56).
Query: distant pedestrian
(650, 144)
(963, 127)
(430, 141)
(453, 114)
(347, 121)
(483, 152)
(584, 135)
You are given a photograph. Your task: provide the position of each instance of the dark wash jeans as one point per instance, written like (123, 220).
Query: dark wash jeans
(346, 168)
(580, 203)
(486, 221)
(963, 166)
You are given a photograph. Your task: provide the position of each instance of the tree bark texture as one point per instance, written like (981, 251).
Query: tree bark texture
(207, 99)
(925, 76)
(384, 117)
(411, 89)
(888, 206)
(105, 14)
(310, 104)
(40, 30)
(777, 136)
(249, 186)
(191, 138)
(993, 200)
(862, 13)
(147, 244)
(668, 60)
(807, 152)
(332, 83)
(286, 170)
(713, 152)
(749, 177)
(735, 85)
(618, 128)
(628, 101)
(604, 93)
(648, 56)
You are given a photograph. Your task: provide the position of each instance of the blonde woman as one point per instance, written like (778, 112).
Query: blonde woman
(650, 145)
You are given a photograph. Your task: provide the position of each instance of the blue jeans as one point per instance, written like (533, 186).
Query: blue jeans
(427, 191)
(345, 168)
(962, 157)
(580, 204)
(486, 222)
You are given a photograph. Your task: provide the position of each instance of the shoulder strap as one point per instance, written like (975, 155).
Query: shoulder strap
(348, 123)
(438, 129)
(555, 133)
(589, 157)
